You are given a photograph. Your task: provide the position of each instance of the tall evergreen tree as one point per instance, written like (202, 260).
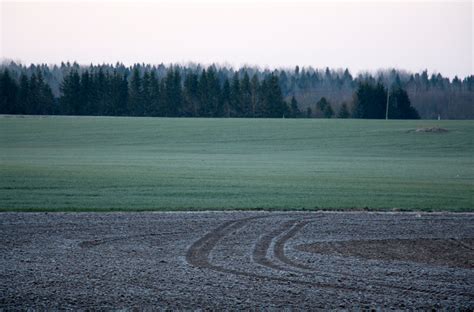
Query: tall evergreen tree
(400, 106)
(88, 95)
(225, 98)
(246, 96)
(191, 95)
(255, 95)
(295, 111)
(101, 82)
(71, 93)
(213, 93)
(173, 93)
(152, 108)
(119, 95)
(8, 93)
(44, 96)
(370, 101)
(273, 103)
(136, 107)
(343, 111)
(235, 97)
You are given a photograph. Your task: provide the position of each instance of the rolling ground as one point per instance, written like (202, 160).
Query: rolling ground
(102, 164)
(237, 260)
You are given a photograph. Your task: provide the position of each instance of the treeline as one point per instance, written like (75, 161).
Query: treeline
(194, 90)
(104, 93)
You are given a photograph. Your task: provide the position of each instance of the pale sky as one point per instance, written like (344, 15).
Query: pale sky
(359, 35)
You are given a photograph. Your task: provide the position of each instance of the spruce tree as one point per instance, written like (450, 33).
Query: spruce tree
(24, 106)
(191, 95)
(213, 92)
(255, 95)
(275, 106)
(8, 93)
(153, 107)
(295, 111)
(225, 98)
(136, 93)
(246, 96)
(343, 111)
(370, 101)
(173, 93)
(400, 105)
(70, 93)
(235, 97)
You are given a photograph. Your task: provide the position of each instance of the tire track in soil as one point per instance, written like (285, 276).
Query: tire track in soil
(462, 244)
(198, 254)
(280, 247)
(280, 255)
(262, 246)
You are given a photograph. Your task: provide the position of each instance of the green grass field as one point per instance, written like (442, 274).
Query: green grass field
(100, 163)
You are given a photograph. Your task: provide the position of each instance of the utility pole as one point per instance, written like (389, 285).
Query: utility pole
(386, 108)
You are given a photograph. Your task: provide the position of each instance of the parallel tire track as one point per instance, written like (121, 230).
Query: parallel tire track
(199, 252)
(262, 247)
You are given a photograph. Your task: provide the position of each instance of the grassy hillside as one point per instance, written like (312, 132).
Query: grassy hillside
(99, 163)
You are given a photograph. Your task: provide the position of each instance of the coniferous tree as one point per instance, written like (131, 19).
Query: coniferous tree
(136, 93)
(400, 106)
(213, 93)
(71, 93)
(225, 98)
(370, 101)
(328, 111)
(44, 99)
(119, 95)
(273, 103)
(324, 108)
(8, 93)
(235, 97)
(24, 101)
(245, 96)
(88, 95)
(102, 86)
(430, 94)
(203, 92)
(152, 107)
(173, 93)
(295, 111)
(255, 95)
(146, 93)
(191, 95)
(343, 111)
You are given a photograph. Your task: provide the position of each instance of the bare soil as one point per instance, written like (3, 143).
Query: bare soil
(433, 251)
(236, 260)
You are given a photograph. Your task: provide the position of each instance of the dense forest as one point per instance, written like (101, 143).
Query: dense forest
(217, 91)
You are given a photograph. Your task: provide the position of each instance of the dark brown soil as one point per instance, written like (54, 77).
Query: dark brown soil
(448, 252)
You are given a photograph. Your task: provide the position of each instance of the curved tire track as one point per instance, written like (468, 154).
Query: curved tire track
(199, 252)
(198, 255)
(280, 247)
(262, 247)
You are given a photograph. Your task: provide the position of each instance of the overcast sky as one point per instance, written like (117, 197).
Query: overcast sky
(436, 35)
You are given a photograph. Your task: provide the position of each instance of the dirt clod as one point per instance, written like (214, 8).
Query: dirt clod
(432, 130)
